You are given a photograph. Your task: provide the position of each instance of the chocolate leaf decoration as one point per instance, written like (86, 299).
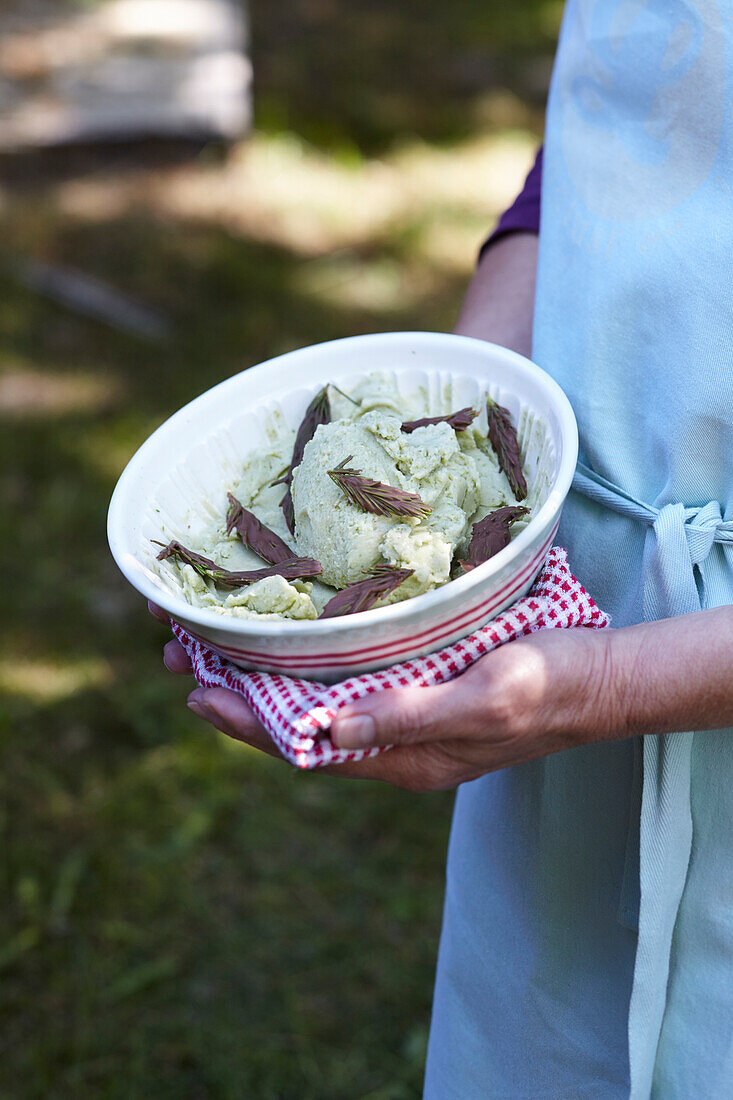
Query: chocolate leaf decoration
(288, 510)
(503, 439)
(362, 595)
(283, 479)
(317, 413)
(253, 533)
(491, 534)
(459, 421)
(292, 569)
(376, 497)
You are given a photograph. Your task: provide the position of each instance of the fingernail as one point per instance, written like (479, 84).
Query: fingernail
(357, 732)
(197, 703)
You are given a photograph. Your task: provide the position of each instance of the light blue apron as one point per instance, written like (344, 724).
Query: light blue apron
(587, 944)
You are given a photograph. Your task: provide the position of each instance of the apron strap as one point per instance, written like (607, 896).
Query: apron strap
(590, 484)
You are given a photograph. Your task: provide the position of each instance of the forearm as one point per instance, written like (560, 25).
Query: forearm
(499, 302)
(674, 674)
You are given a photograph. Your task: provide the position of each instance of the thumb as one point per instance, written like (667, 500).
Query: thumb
(402, 716)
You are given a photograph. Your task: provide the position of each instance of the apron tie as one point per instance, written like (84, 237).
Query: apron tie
(683, 540)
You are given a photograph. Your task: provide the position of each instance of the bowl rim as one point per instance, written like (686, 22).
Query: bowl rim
(136, 572)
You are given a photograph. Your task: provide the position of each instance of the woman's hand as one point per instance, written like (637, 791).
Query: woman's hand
(528, 698)
(549, 691)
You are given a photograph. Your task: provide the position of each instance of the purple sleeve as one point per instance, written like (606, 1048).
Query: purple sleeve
(524, 213)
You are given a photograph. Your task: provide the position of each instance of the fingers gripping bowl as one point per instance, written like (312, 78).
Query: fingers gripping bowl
(177, 484)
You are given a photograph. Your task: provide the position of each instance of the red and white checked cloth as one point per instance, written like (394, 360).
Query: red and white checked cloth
(297, 713)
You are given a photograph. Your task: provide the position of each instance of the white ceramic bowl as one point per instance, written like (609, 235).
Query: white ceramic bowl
(195, 454)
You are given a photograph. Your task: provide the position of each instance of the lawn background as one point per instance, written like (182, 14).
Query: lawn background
(179, 916)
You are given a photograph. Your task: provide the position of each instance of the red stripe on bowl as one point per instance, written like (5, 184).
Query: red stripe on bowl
(393, 649)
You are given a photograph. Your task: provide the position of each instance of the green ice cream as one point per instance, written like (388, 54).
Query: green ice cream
(455, 473)
(349, 542)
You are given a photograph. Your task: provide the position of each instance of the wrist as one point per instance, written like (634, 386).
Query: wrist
(589, 699)
(557, 687)
(674, 674)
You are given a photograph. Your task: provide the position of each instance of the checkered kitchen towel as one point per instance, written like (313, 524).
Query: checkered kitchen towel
(297, 713)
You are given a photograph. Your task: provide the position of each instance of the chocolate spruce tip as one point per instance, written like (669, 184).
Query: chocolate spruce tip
(253, 533)
(362, 595)
(491, 534)
(317, 413)
(292, 570)
(288, 510)
(459, 421)
(376, 497)
(281, 479)
(503, 439)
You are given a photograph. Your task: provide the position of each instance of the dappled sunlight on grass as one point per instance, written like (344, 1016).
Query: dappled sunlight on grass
(279, 190)
(182, 915)
(216, 899)
(31, 393)
(107, 448)
(450, 245)
(379, 284)
(221, 915)
(43, 682)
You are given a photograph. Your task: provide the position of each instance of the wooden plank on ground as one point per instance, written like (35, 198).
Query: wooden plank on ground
(122, 69)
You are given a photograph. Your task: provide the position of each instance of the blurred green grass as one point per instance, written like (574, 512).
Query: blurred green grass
(182, 917)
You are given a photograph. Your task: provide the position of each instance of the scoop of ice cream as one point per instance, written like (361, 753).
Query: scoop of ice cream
(328, 527)
(273, 596)
(423, 550)
(494, 489)
(349, 542)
